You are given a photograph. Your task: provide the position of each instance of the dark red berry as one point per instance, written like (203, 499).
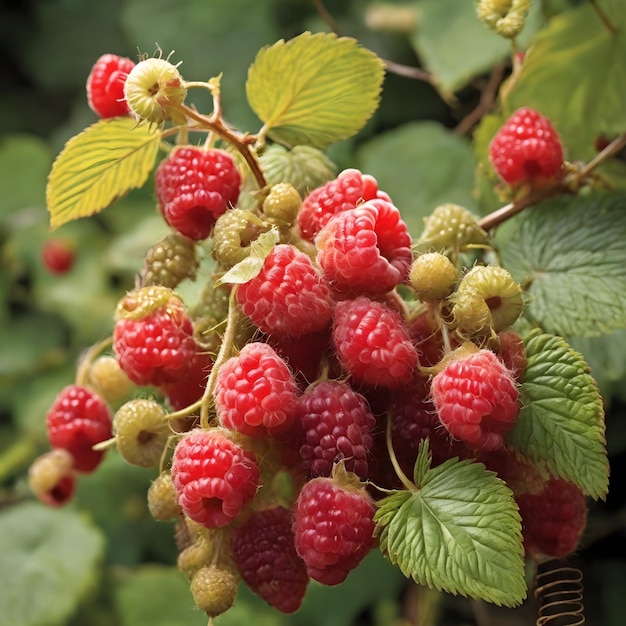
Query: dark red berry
(105, 85)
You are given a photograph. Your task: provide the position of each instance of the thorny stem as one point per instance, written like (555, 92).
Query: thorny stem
(604, 17)
(506, 212)
(223, 354)
(394, 459)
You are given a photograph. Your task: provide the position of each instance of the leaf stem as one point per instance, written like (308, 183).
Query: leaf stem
(82, 372)
(223, 354)
(613, 148)
(394, 459)
(604, 18)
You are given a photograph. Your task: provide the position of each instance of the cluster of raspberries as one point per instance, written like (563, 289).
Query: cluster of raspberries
(333, 355)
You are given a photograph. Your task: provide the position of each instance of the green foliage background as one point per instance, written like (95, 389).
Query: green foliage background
(103, 560)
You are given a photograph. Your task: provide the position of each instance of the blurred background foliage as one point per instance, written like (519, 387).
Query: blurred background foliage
(103, 560)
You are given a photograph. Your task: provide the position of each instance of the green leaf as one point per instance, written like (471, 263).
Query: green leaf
(460, 532)
(157, 596)
(247, 269)
(561, 422)
(49, 561)
(98, 166)
(420, 165)
(454, 44)
(315, 89)
(575, 74)
(570, 253)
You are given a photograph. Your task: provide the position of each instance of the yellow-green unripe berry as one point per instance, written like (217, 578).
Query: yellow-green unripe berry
(214, 589)
(109, 380)
(152, 87)
(162, 502)
(487, 300)
(141, 432)
(433, 276)
(450, 227)
(505, 17)
(282, 203)
(195, 556)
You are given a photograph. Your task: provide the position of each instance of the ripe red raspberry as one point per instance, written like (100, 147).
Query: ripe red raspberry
(366, 250)
(187, 390)
(333, 526)
(255, 392)
(553, 520)
(426, 335)
(214, 477)
(336, 424)
(105, 85)
(476, 399)
(527, 149)
(153, 337)
(194, 186)
(77, 420)
(512, 352)
(57, 256)
(373, 343)
(289, 296)
(264, 552)
(345, 192)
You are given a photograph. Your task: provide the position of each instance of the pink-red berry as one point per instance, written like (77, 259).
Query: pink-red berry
(105, 85)
(553, 520)
(51, 477)
(188, 389)
(477, 399)
(365, 250)
(333, 528)
(373, 343)
(214, 477)
(336, 424)
(527, 149)
(289, 296)
(347, 191)
(77, 420)
(264, 552)
(194, 186)
(57, 256)
(255, 392)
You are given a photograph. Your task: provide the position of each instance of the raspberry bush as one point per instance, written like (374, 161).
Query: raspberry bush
(325, 354)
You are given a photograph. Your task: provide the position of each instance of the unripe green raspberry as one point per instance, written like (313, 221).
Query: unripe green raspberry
(451, 227)
(304, 167)
(152, 88)
(487, 300)
(162, 502)
(214, 589)
(282, 203)
(109, 380)
(141, 432)
(51, 477)
(139, 303)
(195, 556)
(169, 262)
(505, 17)
(433, 276)
(233, 233)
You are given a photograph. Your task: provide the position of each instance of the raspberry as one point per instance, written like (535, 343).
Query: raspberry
(77, 420)
(51, 477)
(169, 261)
(194, 186)
(255, 393)
(476, 399)
(333, 527)
(345, 192)
(109, 380)
(141, 432)
(214, 588)
(57, 256)
(161, 496)
(527, 149)
(264, 552)
(337, 423)
(195, 556)
(512, 352)
(105, 85)
(289, 296)
(282, 203)
(152, 88)
(365, 250)
(373, 343)
(553, 520)
(153, 336)
(433, 276)
(487, 299)
(520, 475)
(187, 390)
(214, 477)
(425, 333)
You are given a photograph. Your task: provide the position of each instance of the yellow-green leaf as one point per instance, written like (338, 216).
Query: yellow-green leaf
(315, 89)
(98, 166)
